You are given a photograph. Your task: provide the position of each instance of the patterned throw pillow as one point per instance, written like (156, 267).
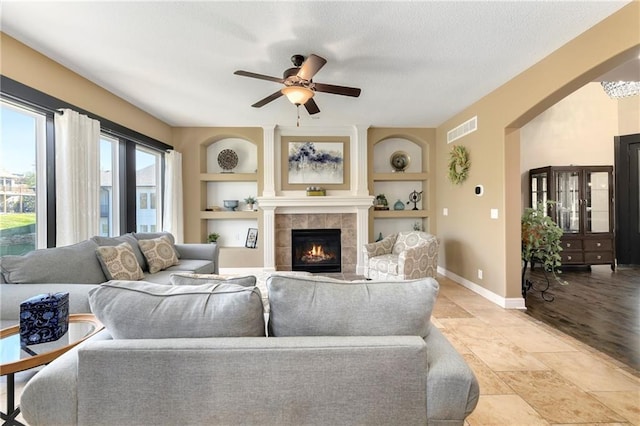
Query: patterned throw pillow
(119, 262)
(159, 253)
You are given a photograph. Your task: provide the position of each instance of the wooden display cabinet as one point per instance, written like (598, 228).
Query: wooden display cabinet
(583, 208)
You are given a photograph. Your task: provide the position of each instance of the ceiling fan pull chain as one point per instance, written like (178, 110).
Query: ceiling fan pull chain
(298, 110)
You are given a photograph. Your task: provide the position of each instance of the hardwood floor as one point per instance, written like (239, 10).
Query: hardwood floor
(598, 307)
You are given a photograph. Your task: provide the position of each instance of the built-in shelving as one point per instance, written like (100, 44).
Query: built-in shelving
(228, 177)
(230, 215)
(218, 185)
(399, 184)
(390, 214)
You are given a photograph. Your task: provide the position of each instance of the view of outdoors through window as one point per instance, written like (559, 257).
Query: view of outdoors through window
(147, 177)
(22, 131)
(108, 187)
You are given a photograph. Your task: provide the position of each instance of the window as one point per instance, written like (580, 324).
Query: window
(130, 164)
(23, 195)
(148, 169)
(109, 187)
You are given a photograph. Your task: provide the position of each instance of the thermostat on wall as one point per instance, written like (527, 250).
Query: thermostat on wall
(479, 190)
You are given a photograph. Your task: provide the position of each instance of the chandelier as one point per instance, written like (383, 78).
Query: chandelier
(621, 89)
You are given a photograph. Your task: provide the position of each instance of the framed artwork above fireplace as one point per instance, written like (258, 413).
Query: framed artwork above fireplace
(315, 160)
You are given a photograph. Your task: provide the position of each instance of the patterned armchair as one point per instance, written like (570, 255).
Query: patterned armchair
(402, 256)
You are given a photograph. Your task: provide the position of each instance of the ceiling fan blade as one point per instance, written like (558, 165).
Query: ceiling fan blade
(337, 90)
(311, 66)
(312, 107)
(271, 97)
(259, 76)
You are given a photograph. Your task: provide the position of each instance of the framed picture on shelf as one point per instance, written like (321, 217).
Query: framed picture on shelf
(315, 160)
(252, 238)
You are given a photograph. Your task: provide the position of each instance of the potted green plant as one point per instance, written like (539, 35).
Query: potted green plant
(250, 200)
(541, 240)
(213, 237)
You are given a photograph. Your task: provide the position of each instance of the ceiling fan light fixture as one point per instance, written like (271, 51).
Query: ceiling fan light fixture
(297, 95)
(621, 89)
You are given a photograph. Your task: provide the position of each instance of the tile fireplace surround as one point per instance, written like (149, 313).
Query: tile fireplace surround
(283, 213)
(346, 222)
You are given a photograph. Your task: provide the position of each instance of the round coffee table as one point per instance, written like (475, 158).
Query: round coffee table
(15, 358)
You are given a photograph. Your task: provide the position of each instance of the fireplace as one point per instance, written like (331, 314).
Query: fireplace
(316, 250)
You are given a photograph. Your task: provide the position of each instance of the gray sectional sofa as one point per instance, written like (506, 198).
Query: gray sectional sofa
(330, 352)
(76, 269)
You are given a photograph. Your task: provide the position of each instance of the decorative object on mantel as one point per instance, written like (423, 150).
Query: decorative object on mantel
(540, 244)
(415, 198)
(621, 89)
(230, 205)
(381, 202)
(213, 237)
(399, 205)
(458, 164)
(44, 318)
(316, 191)
(227, 160)
(400, 161)
(251, 201)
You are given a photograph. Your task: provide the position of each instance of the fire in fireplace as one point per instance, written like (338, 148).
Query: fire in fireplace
(315, 250)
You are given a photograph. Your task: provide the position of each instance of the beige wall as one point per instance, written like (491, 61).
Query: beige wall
(629, 115)
(470, 239)
(25, 65)
(577, 130)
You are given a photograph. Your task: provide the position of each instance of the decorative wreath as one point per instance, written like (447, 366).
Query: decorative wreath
(458, 164)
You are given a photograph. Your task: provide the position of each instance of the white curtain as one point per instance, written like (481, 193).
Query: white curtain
(77, 177)
(173, 216)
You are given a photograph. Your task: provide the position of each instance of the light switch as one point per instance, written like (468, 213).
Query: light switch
(494, 213)
(445, 212)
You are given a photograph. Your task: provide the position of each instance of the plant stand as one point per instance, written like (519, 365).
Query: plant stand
(528, 283)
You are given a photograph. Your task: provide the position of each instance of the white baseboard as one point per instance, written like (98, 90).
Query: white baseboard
(507, 303)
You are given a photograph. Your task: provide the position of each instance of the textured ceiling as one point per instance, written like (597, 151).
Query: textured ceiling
(417, 63)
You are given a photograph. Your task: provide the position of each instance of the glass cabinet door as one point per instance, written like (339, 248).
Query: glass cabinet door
(568, 202)
(597, 202)
(538, 188)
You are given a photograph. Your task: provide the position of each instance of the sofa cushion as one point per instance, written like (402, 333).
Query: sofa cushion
(159, 252)
(143, 310)
(324, 307)
(126, 238)
(185, 278)
(119, 262)
(74, 264)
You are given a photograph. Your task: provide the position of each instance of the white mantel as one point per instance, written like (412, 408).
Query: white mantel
(275, 201)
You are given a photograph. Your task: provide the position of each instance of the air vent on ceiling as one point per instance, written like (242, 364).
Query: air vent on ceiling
(464, 129)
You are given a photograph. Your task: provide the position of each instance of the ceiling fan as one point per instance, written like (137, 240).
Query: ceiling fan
(299, 87)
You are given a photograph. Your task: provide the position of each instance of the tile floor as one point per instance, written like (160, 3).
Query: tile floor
(529, 373)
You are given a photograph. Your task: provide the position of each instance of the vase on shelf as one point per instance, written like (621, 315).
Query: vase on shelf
(399, 205)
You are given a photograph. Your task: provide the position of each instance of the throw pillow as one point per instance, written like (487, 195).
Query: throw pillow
(324, 307)
(185, 278)
(126, 238)
(119, 262)
(144, 310)
(152, 235)
(159, 253)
